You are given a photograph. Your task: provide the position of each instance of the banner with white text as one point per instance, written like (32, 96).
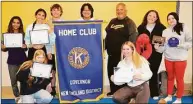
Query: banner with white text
(79, 61)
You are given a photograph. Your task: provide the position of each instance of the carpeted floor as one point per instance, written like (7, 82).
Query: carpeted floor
(185, 99)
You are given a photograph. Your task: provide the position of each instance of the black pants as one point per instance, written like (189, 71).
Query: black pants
(31, 52)
(113, 62)
(154, 61)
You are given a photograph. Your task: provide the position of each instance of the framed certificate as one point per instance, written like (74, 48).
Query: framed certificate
(39, 36)
(122, 75)
(158, 39)
(41, 70)
(12, 40)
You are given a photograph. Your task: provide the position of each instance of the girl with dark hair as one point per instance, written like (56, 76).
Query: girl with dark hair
(32, 88)
(86, 12)
(16, 56)
(178, 42)
(151, 26)
(39, 24)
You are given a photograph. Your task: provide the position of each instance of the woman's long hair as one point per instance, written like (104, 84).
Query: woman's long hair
(144, 23)
(138, 60)
(10, 27)
(179, 26)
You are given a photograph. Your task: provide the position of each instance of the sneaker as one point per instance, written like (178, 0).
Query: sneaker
(155, 97)
(177, 102)
(17, 99)
(168, 99)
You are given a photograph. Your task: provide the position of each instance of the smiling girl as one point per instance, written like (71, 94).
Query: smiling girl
(16, 56)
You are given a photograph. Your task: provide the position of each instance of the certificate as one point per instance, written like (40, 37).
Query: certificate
(158, 39)
(39, 36)
(41, 70)
(122, 75)
(12, 40)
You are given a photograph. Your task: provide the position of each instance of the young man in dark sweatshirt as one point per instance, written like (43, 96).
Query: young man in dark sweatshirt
(119, 30)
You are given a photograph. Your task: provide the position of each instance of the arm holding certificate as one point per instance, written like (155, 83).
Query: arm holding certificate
(13, 40)
(133, 70)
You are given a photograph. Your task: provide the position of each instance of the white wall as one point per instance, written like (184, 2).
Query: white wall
(185, 17)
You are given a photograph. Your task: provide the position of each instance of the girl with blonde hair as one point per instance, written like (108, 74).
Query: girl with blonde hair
(33, 87)
(138, 87)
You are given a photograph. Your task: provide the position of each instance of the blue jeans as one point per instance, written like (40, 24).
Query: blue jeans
(42, 96)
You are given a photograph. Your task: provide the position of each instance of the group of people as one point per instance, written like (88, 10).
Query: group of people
(120, 42)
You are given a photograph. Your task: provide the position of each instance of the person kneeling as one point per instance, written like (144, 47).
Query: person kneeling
(32, 88)
(139, 73)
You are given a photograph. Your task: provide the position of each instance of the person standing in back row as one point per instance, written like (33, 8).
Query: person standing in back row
(56, 13)
(152, 26)
(119, 30)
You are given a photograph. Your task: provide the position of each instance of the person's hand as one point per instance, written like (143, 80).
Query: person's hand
(156, 46)
(3, 46)
(24, 46)
(137, 76)
(50, 24)
(39, 46)
(49, 56)
(30, 77)
(112, 78)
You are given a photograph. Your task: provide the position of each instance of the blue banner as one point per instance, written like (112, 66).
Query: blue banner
(79, 61)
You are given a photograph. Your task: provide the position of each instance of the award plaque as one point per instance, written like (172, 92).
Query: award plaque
(173, 42)
(158, 39)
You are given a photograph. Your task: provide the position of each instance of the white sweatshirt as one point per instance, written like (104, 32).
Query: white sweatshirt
(179, 53)
(144, 70)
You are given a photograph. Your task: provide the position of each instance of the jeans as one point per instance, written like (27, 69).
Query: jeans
(42, 96)
(12, 73)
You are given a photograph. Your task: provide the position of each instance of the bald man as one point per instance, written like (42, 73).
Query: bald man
(119, 30)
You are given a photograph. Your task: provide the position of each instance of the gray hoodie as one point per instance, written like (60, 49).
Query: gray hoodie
(179, 53)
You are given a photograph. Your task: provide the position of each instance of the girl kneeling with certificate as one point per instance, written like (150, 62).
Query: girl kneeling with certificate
(32, 88)
(138, 68)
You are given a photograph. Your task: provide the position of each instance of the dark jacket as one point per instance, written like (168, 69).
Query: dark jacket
(37, 83)
(118, 32)
(158, 29)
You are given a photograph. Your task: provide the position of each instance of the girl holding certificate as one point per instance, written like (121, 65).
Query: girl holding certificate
(152, 26)
(39, 25)
(86, 12)
(138, 67)
(178, 42)
(16, 56)
(32, 88)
